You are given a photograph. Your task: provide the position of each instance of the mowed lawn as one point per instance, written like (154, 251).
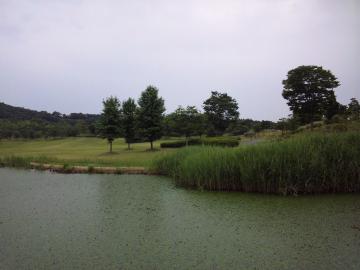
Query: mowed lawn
(82, 151)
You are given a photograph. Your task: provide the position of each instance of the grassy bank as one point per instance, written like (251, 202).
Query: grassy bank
(76, 151)
(307, 163)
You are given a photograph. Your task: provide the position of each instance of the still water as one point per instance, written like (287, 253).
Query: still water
(58, 221)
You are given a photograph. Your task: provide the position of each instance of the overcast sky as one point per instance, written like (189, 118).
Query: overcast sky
(68, 55)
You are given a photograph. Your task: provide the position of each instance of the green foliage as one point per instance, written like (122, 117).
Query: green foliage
(221, 141)
(213, 141)
(221, 110)
(110, 120)
(129, 121)
(309, 91)
(180, 143)
(353, 109)
(150, 114)
(186, 121)
(17, 122)
(288, 124)
(311, 163)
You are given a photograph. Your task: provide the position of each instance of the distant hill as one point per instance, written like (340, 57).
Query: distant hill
(19, 113)
(18, 122)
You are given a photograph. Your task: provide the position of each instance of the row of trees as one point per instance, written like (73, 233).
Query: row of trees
(309, 91)
(146, 121)
(133, 121)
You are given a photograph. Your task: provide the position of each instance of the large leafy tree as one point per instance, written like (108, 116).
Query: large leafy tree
(221, 110)
(187, 121)
(110, 120)
(150, 114)
(309, 91)
(129, 121)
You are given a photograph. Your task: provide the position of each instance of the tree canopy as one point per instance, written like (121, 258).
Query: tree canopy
(129, 121)
(221, 110)
(310, 92)
(110, 121)
(187, 121)
(150, 114)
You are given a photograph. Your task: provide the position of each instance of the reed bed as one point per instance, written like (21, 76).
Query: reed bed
(307, 163)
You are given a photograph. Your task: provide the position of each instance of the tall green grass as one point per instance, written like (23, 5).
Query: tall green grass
(309, 163)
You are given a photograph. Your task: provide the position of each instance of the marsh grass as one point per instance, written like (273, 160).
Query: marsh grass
(307, 163)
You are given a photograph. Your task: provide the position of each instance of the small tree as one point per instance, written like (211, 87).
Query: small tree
(221, 110)
(129, 120)
(150, 115)
(187, 121)
(353, 109)
(110, 120)
(309, 91)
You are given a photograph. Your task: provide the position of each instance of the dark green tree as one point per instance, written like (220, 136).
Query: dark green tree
(353, 109)
(150, 115)
(110, 120)
(129, 121)
(309, 90)
(201, 125)
(221, 110)
(187, 121)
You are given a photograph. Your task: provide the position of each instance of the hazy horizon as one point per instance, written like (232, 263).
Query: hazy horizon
(68, 56)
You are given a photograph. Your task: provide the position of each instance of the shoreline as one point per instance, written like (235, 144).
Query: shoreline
(88, 169)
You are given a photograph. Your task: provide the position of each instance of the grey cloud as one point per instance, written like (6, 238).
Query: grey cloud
(69, 55)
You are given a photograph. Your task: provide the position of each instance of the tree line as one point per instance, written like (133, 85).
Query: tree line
(17, 122)
(309, 91)
(146, 121)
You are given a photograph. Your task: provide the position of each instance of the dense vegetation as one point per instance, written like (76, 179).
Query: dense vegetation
(307, 163)
(327, 159)
(16, 122)
(214, 141)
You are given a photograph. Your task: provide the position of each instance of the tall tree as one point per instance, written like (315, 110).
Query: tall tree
(221, 110)
(309, 91)
(150, 114)
(129, 121)
(187, 121)
(353, 109)
(110, 120)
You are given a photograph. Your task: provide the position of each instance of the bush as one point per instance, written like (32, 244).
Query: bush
(221, 141)
(214, 141)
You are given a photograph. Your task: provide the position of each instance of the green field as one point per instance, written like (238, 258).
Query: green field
(81, 151)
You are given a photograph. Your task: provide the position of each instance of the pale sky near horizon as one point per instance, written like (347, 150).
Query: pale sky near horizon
(68, 55)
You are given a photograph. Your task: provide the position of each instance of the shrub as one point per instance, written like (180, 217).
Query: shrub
(221, 141)
(214, 141)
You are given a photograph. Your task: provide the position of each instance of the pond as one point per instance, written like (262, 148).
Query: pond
(59, 221)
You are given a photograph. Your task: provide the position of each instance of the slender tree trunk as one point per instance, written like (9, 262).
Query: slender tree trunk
(186, 141)
(110, 146)
(151, 145)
